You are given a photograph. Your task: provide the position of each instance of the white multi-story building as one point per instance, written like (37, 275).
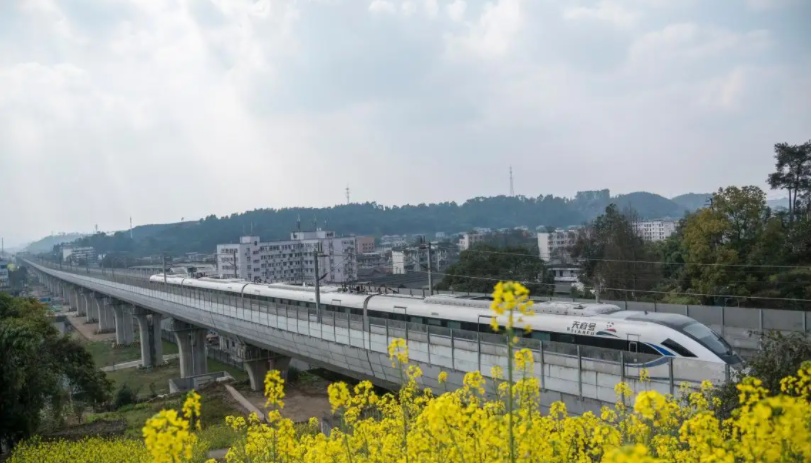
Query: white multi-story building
(75, 254)
(469, 239)
(290, 261)
(415, 259)
(4, 281)
(554, 246)
(655, 230)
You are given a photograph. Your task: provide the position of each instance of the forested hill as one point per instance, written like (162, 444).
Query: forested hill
(374, 219)
(47, 243)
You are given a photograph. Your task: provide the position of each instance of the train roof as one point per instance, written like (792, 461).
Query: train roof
(539, 307)
(672, 320)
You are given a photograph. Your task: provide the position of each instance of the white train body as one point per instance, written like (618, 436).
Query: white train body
(603, 326)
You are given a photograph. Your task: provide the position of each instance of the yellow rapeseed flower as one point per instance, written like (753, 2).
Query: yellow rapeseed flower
(523, 360)
(274, 389)
(398, 351)
(168, 438)
(463, 426)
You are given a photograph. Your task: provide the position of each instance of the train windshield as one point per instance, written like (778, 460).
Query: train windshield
(706, 336)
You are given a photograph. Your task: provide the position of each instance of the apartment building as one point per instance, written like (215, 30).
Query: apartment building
(554, 246)
(469, 239)
(364, 244)
(76, 254)
(655, 230)
(292, 260)
(415, 259)
(4, 279)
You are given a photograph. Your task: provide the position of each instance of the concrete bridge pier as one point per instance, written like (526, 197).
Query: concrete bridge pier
(191, 345)
(81, 301)
(151, 343)
(157, 341)
(91, 312)
(123, 324)
(258, 362)
(77, 302)
(106, 318)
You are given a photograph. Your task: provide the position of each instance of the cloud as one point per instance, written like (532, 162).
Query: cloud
(678, 44)
(382, 6)
(770, 4)
(456, 10)
(162, 110)
(606, 11)
(494, 32)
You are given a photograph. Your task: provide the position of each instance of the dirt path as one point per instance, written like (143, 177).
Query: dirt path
(300, 403)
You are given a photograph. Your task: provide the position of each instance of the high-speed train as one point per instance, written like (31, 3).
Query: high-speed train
(604, 326)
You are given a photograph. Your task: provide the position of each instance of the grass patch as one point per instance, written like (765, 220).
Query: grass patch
(238, 374)
(218, 436)
(215, 405)
(104, 354)
(139, 379)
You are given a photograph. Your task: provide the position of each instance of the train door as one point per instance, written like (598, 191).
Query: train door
(633, 347)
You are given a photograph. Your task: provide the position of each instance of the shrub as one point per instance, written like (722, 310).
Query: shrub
(124, 396)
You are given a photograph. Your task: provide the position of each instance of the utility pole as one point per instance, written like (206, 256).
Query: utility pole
(316, 255)
(130, 227)
(430, 279)
(163, 258)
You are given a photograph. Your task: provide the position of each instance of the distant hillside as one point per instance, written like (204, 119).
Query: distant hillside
(590, 204)
(650, 205)
(692, 201)
(374, 219)
(778, 203)
(46, 244)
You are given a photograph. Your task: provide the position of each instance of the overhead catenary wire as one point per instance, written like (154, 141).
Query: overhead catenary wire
(675, 293)
(707, 264)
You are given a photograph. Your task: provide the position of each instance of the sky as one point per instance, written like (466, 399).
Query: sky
(162, 110)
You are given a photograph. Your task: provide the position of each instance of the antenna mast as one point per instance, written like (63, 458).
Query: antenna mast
(512, 190)
(130, 227)
(347, 194)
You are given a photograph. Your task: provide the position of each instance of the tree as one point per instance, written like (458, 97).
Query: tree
(615, 258)
(793, 174)
(720, 240)
(39, 367)
(779, 356)
(480, 267)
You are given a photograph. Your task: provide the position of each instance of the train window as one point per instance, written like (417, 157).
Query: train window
(677, 348)
(560, 337)
(467, 326)
(454, 325)
(541, 336)
(419, 320)
(434, 322)
(633, 346)
(486, 328)
(356, 312)
(397, 316)
(646, 349)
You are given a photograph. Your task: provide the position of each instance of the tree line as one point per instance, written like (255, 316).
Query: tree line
(735, 251)
(372, 219)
